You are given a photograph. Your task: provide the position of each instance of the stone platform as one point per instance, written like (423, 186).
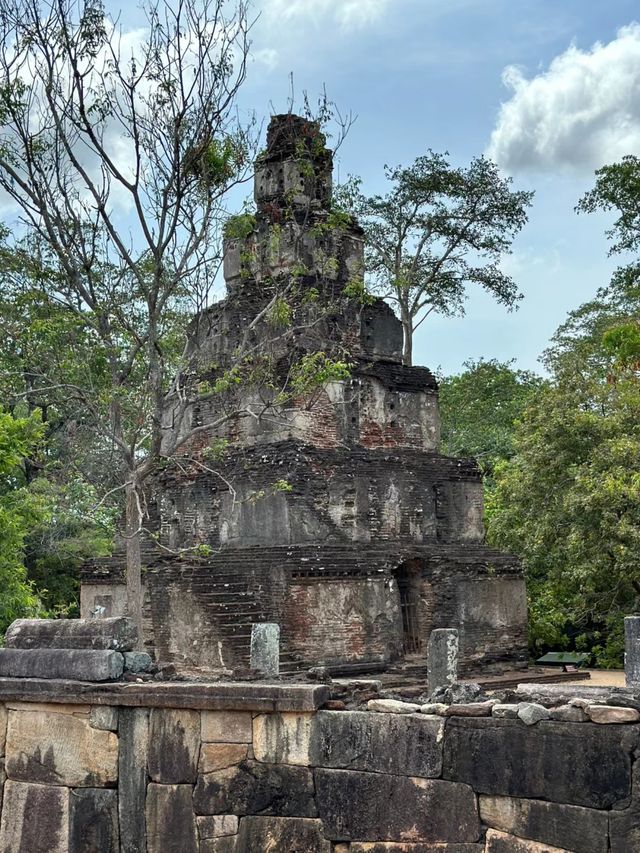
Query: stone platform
(236, 767)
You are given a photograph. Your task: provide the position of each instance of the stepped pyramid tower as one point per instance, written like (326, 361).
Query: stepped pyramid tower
(331, 513)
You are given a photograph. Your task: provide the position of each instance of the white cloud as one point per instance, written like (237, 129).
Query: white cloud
(348, 14)
(582, 112)
(268, 57)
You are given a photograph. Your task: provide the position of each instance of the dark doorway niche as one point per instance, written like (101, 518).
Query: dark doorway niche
(408, 577)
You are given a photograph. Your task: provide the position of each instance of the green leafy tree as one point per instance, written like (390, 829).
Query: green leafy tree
(77, 526)
(569, 499)
(437, 230)
(20, 510)
(569, 503)
(480, 407)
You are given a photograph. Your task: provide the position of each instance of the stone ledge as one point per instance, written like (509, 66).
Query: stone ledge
(218, 696)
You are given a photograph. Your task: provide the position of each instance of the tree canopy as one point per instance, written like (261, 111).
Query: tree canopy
(437, 230)
(20, 511)
(480, 407)
(569, 499)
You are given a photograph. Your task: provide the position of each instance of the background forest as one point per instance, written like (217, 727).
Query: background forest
(92, 327)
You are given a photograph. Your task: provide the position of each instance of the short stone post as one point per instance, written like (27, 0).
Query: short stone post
(442, 658)
(632, 650)
(265, 648)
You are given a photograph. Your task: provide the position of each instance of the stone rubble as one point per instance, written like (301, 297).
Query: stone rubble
(438, 709)
(576, 709)
(504, 711)
(608, 714)
(392, 706)
(531, 713)
(568, 714)
(470, 709)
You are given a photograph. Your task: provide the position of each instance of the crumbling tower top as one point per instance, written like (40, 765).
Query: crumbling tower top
(295, 170)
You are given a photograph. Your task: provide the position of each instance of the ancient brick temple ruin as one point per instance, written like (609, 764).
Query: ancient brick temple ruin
(336, 517)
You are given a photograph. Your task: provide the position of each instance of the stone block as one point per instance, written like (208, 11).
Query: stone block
(118, 634)
(282, 738)
(585, 765)
(3, 728)
(501, 842)
(531, 713)
(242, 697)
(632, 650)
(610, 714)
(438, 709)
(293, 835)
(93, 821)
(133, 730)
(74, 664)
(226, 727)
(138, 662)
(400, 847)
(392, 706)
(578, 829)
(35, 819)
(624, 829)
(568, 714)
(225, 844)
(171, 824)
(357, 740)
(174, 746)
(255, 788)
(216, 826)
(469, 709)
(357, 806)
(624, 823)
(505, 711)
(104, 717)
(265, 649)
(68, 708)
(217, 756)
(442, 658)
(59, 749)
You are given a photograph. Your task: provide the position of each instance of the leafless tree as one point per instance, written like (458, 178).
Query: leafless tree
(117, 150)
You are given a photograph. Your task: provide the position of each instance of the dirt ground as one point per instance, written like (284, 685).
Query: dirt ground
(604, 678)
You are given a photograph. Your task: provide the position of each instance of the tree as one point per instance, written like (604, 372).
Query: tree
(569, 500)
(19, 511)
(617, 189)
(438, 229)
(569, 503)
(118, 157)
(480, 407)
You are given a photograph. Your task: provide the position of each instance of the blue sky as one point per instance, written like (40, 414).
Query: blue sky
(549, 88)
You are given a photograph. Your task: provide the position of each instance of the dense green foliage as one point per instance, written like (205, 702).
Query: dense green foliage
(47, 352)
(479, 409)
(569, 500)
(563, 454)
(20, 510)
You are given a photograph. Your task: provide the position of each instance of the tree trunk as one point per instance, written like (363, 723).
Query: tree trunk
(407, 348)
(133, 523)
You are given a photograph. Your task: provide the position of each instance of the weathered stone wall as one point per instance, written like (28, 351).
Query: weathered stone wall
(255, 768)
